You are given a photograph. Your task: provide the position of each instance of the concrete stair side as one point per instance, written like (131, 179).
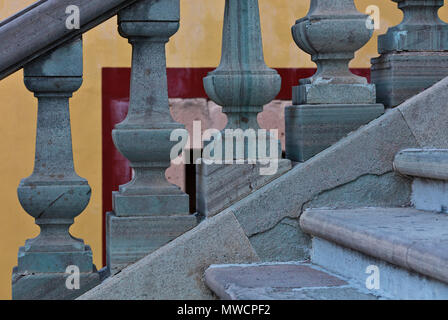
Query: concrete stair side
(175, 271)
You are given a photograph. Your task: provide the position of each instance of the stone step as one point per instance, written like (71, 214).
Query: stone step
(423, 163)
(429, 168)
(280, 281)
(405, 245)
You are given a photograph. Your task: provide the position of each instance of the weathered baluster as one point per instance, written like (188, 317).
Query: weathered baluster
(333, 102)
(242, 84)
(148, 212)
(54, 194)
(414, 54)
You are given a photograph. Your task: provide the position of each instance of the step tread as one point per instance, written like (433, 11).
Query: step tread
(279, 281)
(407, 237)
(423, 163)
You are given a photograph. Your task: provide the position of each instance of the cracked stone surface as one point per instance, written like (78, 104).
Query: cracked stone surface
(284, 242)
(176, 270)
(420, 122)
(387, 190)
(370, 150)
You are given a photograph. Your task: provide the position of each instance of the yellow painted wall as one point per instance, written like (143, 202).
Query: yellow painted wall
(197, 44)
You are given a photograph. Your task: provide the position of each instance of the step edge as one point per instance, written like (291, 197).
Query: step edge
(422, 163)
(358, 240)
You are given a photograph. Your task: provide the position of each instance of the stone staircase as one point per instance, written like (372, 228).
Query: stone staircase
(405, 247)
(362, 218)
(352, 223)
(407, 244)
(361, 214)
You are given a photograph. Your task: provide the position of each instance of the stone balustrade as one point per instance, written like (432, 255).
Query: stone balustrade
(242, 84)
(54, 194)
(413, 54)
(148, 211)
(333, 102)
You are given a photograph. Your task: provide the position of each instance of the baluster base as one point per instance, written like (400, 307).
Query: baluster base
(333, 93)
(51, 286)
(44, 262)
(218, 186)
(310, 129)
(400, 76)
(128, 239)
(150, 204)
(418, 38)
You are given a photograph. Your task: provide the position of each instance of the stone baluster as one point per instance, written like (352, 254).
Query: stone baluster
(148, 212)
(242, 84)
(54, 194)
(414, 54)
(333, 102)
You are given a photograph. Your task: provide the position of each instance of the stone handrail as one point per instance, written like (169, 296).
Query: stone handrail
(41, 27)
